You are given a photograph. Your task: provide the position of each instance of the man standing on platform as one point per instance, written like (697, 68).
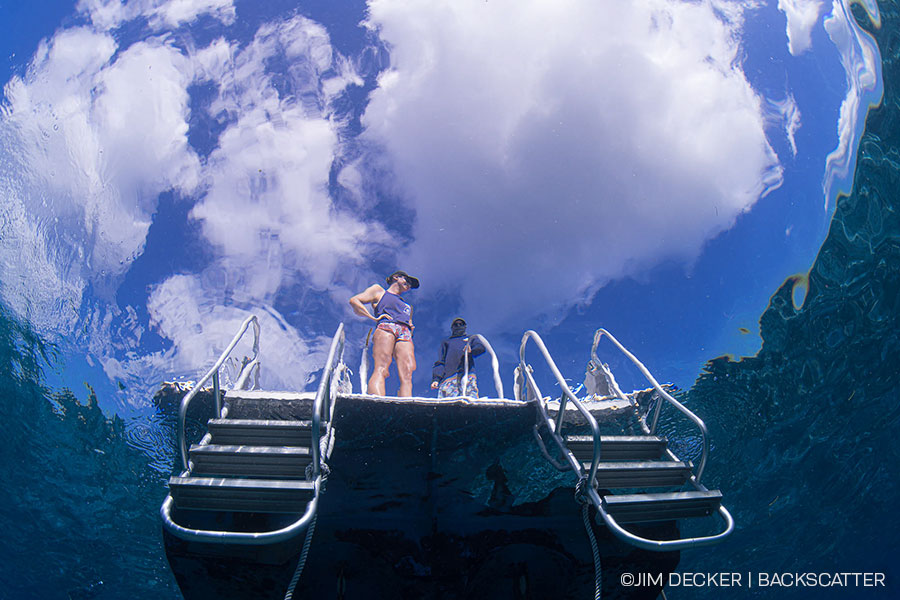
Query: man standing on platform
(447, 375)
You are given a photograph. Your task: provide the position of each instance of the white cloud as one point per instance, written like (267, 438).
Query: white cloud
(184, 310)
(801, 16)
(177, 12)
(268, 179)
(265, 206)
(98, 138)
(351, 179)
(786, 114)
(32, 283)
(108, 14)
(91, 136)
(200, 328)
(792, 123)
(547, 148)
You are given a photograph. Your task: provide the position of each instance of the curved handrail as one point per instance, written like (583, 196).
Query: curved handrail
(364, 365)
(214, 373)
(590, 490)
(320, 408)
(567, 394)
(495, 365)
(663, 394)
(240, 537)
(249, 369)
(662, 545)
(364, 371)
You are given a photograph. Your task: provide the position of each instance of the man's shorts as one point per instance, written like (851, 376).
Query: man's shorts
(452, 386)
(401, 332)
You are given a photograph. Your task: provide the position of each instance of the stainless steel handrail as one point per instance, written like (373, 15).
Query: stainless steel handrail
(214, 374)
(590, 489)
(364, 369)
(323, 407)
(495, 364)
(249, 369)
(324, 402)
(663, 394)
(661, 545)
(240, 537)
(566, 395)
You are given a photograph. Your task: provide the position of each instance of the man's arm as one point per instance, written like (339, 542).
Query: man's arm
(476, 348)
(371, 295)
(438, 371)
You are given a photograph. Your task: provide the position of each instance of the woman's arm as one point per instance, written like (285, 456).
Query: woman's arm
(371, 295)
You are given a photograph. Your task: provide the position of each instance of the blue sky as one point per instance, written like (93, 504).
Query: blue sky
(657, 169)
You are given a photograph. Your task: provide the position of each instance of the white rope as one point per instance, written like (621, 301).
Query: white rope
(581, 497)
(590, 532)
(306, 543)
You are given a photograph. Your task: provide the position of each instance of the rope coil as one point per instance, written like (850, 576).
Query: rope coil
(581, 496)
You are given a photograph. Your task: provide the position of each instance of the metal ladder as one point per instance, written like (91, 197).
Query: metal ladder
(248, 465)
(642, 464)
(264, 465)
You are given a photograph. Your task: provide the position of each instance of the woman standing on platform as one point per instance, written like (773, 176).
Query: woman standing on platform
(393, 334)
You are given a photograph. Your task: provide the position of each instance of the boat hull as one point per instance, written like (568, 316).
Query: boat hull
(429, 499)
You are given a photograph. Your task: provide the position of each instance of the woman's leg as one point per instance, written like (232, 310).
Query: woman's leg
(405, 354)
(382, 350)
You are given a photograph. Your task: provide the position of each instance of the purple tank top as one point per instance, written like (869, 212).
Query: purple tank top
(395, 308)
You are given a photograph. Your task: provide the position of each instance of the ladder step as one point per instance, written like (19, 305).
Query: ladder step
(288, 462)
(260, 432)
(241, 495)
(618, 447)
(641, 474)
(639, 508)
(260, 404)
(268, 396)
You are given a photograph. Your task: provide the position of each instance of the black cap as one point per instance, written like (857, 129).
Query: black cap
(458, 326)
(413, 282)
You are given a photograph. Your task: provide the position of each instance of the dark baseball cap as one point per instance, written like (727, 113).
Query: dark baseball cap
(413, 282)
(458, 322)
